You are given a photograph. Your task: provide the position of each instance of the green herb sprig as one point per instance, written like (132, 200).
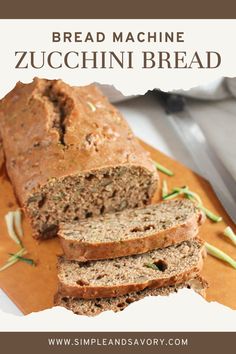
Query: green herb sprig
(23, 259)
(216, 252)
(12, 260)
(210, 214)
(228, 232)
(184, 191)
(176, 192)
(15, 232)
(163, 169)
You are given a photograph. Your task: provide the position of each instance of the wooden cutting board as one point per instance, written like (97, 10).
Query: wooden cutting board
(33, 288)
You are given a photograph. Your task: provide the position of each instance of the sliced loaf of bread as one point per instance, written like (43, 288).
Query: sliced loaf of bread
(70, 154)
(116, 277)
(132, 231)
(94, 307)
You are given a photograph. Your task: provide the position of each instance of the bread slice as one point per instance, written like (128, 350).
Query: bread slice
(116, 277)
(95, 306)
(131, 231)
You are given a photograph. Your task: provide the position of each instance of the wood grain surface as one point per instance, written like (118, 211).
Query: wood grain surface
(33, 288)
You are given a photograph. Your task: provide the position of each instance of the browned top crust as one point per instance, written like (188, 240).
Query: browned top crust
(51, 130)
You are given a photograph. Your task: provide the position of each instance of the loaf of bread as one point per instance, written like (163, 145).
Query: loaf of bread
(131, 231)
(116, 277)
(70, 154)
(94, 307)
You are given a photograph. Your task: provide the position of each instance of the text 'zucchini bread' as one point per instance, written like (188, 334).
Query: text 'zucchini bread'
(71, 155)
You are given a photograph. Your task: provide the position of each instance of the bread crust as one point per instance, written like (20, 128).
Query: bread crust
(92, 292)
(85, 251)
(94, 307)
(26, 116)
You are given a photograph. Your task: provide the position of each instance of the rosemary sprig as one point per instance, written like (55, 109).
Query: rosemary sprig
(230, 234)
(163, 169)
(216, 252)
